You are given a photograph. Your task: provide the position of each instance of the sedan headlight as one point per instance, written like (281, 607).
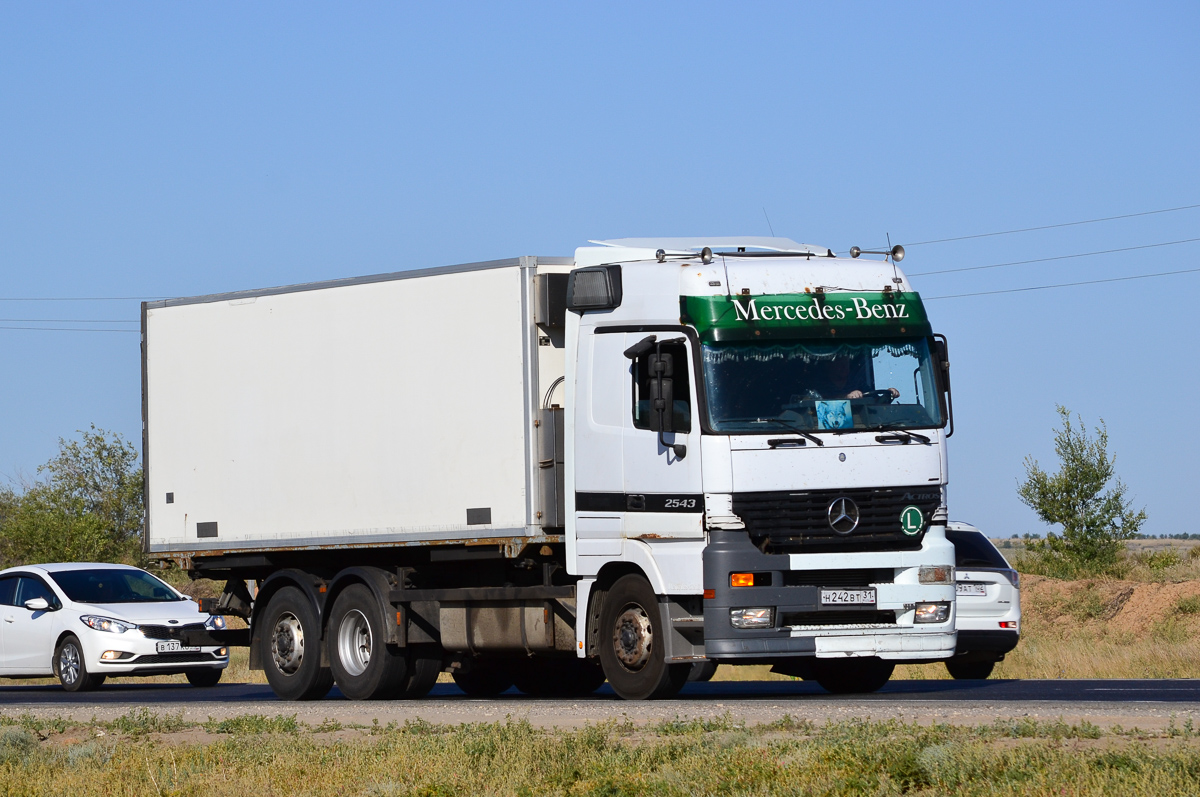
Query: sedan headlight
(215, 622)
(106, 624)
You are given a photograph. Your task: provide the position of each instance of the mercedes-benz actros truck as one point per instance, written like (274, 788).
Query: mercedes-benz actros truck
(630, 465)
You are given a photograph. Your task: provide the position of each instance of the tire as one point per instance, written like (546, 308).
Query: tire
(970, 670)
(485, 678)
(291, 647)
(424, 664)
(853, 676)
(71, 668)
(364, 666)
(631, 643)
(204, 678)
(702, 671)
(558, 677)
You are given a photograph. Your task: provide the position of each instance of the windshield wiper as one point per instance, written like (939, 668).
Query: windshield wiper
(895, 428)
(795, 429)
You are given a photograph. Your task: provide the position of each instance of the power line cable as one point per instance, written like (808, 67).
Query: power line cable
(65, 321)
(70, 329)
(1054, 226)
(1057, 257)
(81, 298)
(1060, 285)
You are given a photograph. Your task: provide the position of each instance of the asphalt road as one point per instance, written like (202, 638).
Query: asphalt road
(1147, 704)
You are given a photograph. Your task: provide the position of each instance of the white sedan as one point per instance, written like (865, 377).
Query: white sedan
(83, 622)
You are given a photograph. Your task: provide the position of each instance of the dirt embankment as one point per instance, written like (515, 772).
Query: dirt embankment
(1135, 610)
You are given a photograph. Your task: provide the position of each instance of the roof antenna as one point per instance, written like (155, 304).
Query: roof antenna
(768, 218)
(895, 275)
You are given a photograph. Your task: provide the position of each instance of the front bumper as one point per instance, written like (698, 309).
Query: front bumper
(804, 627)
(140, 656)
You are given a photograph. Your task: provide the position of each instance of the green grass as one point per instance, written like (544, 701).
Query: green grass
(678, 757)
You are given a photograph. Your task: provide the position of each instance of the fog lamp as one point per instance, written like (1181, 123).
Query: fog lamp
(761, 617)
(113, 655)
(936, 574)
(222, 651)
(932, 613)
(1008, 623)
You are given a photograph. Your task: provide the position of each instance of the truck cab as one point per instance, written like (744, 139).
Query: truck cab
(758, 429)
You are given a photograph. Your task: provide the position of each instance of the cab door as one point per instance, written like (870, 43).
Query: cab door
(600, 413)
(661, 451)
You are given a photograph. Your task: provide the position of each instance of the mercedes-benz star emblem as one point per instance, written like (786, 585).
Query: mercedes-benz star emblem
(843, 516)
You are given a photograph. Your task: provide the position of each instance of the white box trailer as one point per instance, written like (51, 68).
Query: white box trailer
(392, 410)
(548, 472)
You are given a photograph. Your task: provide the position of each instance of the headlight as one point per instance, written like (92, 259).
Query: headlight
(106, 624)
(215, 623)
(752, 618)
(936, 574)
(932, 613)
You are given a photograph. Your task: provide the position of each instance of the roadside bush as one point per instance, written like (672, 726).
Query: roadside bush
(86, 505)
(1096, 519)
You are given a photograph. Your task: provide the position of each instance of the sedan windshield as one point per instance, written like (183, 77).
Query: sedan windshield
(110, 585)
(815, 386)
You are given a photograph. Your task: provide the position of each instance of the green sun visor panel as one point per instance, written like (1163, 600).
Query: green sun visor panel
(829, 316)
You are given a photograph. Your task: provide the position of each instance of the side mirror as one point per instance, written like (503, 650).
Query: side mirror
(662, 392)
(37, 604)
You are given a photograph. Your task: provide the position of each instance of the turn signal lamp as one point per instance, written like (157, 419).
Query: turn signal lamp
(741, 579)
(936, 574)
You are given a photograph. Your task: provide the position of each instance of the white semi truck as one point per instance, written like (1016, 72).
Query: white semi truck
(552, 472)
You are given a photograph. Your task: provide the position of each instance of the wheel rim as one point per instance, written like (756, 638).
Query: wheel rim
(354, 642)
(68, 664)
(287, 644)
(633, 637)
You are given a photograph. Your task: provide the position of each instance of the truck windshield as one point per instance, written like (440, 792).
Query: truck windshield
(861, 384)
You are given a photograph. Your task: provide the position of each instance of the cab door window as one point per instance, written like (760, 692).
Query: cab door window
(678, 367)
(30, 588)
(8, 591)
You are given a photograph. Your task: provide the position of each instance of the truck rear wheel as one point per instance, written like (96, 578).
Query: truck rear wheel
(364, 666)
(424, 666)
(558, 677)
(853, 676)
(291, 647)
(631, 643)
(485, 678)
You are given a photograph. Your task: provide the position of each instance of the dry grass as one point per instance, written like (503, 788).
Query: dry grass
(147, 754)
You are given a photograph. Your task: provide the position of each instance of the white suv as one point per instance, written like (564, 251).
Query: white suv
(85, 621)
(988, 615)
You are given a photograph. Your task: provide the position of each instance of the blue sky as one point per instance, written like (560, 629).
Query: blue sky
(155, 149)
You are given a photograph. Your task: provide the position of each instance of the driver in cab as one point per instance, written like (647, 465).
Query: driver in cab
(841, 382)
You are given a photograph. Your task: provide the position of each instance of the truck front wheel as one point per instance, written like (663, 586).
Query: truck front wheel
(632, 643)
(291, 647)
(853, 676)
(364, 665)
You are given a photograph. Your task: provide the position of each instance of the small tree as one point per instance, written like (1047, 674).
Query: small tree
(1095, 521)
(87, 505)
